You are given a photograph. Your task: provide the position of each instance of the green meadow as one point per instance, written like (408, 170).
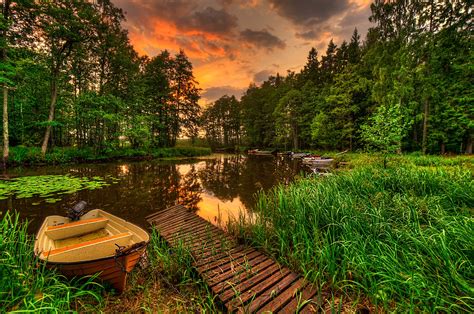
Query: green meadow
(398, 238)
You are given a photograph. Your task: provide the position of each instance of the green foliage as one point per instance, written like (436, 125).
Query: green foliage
(401, 235)
(21, 155)
(91, 79)
(222, 122)
(385, 130)
(417, 57)
(27, 285)
(287, 120)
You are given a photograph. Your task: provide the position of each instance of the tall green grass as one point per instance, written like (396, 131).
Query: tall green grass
(402, 236)
(413, 159)
(175, 265)
(27, 286)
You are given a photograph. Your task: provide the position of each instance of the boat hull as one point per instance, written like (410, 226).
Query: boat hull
(98, 243)
(111, 270)
(317, 162)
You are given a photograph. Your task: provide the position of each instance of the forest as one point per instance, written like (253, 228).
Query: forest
(71, 78)
(406, 87)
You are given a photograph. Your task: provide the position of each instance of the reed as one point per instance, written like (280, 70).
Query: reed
(176, 272)
(402, 236)
(25, 283)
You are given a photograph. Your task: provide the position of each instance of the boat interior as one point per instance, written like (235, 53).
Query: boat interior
(96, 235)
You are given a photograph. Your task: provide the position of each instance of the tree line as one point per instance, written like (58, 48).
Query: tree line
(70, 77)
(406, 87)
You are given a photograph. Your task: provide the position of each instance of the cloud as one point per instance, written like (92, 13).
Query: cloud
(309, 12)
(262, 39)
(308, 35)
(261, 76)
(185, 15)
(228, 41)
(213, 93)
(210, 20)
(143, 13)
(242, 3)
(355, 18)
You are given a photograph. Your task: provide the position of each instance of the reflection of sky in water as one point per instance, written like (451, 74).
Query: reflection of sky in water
(215, 187)
(211, 207)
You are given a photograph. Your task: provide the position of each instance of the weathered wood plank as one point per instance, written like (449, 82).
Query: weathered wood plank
(243, 278)
(283, 298)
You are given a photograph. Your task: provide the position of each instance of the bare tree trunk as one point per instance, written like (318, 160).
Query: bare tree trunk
(54, 96)
(469, 145)
(6, 16)
(443, 148)
(295, 137)
(6, 146)
(424, 142)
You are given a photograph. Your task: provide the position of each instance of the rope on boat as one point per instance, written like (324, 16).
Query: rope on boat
(126, 250)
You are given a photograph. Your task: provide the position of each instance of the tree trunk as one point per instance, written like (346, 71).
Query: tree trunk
(5, 127)
(295, 138)
(426, 109)
(443, 148)
(469, 145)
(54, 95)
(6, 16)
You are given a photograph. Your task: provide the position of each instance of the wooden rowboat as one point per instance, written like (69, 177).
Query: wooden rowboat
(98, 242)
(318, 161)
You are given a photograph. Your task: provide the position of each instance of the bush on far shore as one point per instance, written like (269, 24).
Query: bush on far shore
(22, 155)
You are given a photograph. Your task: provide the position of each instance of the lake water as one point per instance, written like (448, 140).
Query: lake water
(216, 187)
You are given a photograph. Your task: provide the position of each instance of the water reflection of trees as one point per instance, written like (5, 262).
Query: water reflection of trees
(238, 176)
(143, 188)
(147, 187)
(221, 176)
(190, 189)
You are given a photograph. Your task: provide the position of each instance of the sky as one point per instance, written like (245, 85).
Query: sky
(235, 43)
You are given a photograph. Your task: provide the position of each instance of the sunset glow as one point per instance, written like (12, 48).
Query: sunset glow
(235, 43)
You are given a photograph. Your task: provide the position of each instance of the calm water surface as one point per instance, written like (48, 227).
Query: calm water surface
(215, 187)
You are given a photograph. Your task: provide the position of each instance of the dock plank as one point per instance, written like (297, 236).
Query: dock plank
(243, 279)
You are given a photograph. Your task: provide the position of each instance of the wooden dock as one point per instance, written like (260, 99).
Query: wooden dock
(244, 279)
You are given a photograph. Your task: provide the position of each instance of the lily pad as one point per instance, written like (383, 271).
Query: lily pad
(50, 187)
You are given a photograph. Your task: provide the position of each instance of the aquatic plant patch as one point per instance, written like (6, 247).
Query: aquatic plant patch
(50, 187)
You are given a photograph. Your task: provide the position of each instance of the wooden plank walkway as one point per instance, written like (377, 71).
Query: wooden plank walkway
(244, 279)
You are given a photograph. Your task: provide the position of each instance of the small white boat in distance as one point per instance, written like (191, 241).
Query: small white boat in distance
(298, 155)
(318, 161)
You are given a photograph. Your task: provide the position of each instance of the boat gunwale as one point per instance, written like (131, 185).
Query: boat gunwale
(143, 245)
(140, 245)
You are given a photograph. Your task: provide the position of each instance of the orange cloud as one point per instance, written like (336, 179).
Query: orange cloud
(361, 3)
(165, 35)
(212, 34)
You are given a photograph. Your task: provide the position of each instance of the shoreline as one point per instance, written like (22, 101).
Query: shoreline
(31, 156)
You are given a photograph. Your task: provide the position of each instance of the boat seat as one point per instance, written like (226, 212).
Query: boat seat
(89, 250)
(75, 228)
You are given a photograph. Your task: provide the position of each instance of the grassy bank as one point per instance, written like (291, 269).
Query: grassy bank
(401, 237)
(26, 285)
(32, 155)
(167, 284)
